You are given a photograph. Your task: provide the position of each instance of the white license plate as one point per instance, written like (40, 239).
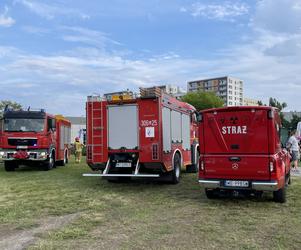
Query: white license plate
(123, 165)
(230, 183)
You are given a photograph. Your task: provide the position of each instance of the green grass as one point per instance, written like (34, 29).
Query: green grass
(140, 215)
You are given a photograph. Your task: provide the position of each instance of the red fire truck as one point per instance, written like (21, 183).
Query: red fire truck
(153, 135)
(242, 152)
(34, 138)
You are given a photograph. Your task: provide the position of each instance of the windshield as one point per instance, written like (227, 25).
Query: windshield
(23, 125)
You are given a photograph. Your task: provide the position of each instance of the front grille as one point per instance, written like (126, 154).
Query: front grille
(22, 141)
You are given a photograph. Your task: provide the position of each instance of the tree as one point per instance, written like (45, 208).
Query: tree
(203, 100)
(260, 103)
(273, 102)
(294, 121)
(11, 104)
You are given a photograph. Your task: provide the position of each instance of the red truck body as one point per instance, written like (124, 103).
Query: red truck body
(34, 138)
(150, 136)
(241, 150)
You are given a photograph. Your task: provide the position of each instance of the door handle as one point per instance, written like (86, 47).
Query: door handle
(234, 158)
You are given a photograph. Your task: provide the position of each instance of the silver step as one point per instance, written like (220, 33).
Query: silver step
(123, 175)
(136, 174)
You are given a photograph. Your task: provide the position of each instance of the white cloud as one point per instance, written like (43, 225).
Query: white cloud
(87, 36)
(225, 11)
(35, 30)
(282, 16)
(50, 11)
(5, 20)
(268, 61)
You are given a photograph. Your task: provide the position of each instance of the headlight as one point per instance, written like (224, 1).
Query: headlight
(2, 153)
(43, 154)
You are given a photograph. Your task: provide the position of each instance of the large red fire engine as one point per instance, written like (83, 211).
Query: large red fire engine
(34, 137)
(148, 136)
(241, 151)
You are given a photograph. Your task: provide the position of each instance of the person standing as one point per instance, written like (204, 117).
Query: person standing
(293, 146)
(78, 146)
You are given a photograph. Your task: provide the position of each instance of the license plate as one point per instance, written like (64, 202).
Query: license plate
(230, 183)
(123, 165)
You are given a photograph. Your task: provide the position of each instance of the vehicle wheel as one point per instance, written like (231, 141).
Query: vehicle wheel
(50, 163)
(289, 181)
(280, 195)
(176, 172)
(210, 193)
(63, 162)
(9, 166)
(194, 168)
(118, 179)
(66, 157)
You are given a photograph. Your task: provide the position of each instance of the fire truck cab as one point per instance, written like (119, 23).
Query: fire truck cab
(242, 152)
(152, 135)
(34, 138)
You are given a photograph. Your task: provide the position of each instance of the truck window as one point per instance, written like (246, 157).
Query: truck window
(23, 125)
(51, 123)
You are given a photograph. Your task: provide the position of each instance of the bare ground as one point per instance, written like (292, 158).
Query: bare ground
(21, 239)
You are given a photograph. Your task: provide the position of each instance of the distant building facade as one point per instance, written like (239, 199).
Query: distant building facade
(230, 89)
(173, 90)
(250, 102)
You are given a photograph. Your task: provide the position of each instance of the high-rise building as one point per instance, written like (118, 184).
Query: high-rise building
(230, 89)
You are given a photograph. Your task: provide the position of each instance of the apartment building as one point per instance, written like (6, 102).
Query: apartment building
(173, 90)
(230, 89)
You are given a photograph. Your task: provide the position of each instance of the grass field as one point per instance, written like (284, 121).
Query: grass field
(60, 209)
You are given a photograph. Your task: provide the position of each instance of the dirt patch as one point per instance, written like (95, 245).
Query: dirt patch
(15, 240)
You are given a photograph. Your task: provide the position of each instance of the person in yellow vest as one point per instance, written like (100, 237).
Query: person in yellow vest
(78, 146)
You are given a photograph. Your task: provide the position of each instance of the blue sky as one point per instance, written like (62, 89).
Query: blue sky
(55, 53)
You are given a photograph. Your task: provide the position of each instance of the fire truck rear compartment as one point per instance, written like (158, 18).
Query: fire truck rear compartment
(123, 126)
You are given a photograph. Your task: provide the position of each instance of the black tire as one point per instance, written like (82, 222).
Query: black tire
(118, 179)
(194, 168)
(50, 163)
(176, 172)
(66, 155)
(211, 193)
(280, 195)
(289, 179)
(63, 162)
(10, 166)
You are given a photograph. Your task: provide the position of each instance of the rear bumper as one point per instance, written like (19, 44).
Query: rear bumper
(254, 185)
